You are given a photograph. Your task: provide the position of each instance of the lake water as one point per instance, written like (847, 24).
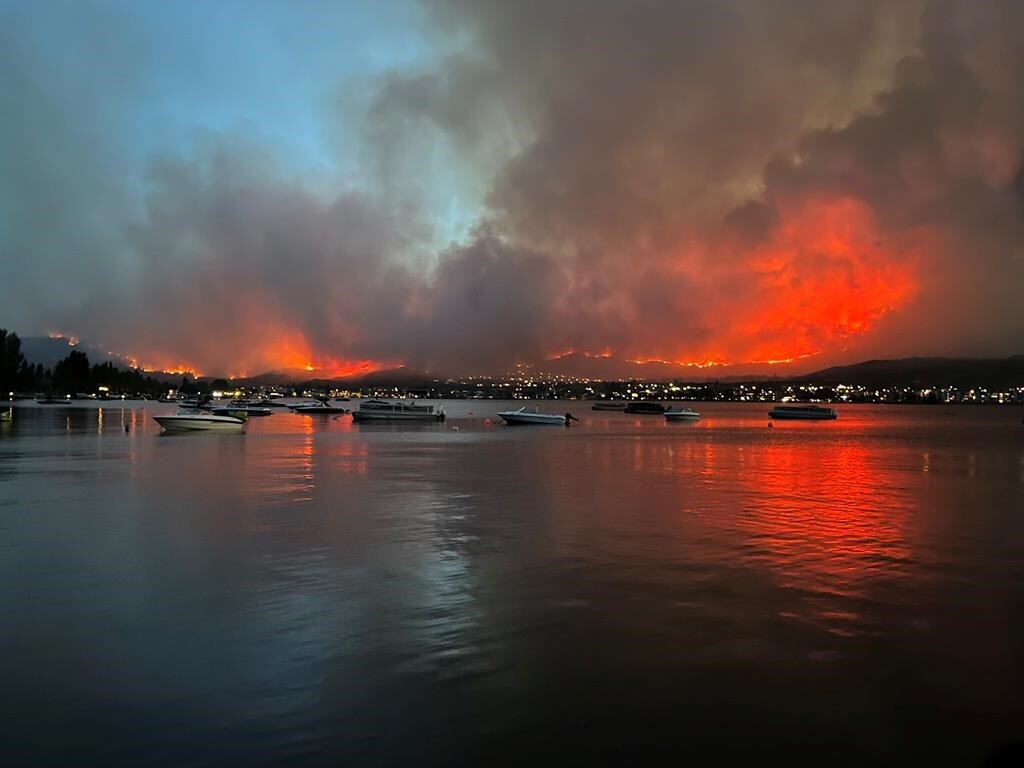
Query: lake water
(319, 592)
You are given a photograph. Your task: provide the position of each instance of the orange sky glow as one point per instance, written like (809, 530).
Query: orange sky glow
(824, 277)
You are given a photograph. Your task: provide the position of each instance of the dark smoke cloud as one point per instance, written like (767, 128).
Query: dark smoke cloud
(663, 180)
(59, 177)
(672, 138)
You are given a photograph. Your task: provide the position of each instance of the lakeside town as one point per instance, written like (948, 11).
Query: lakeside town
(564, 388)
(75, 378)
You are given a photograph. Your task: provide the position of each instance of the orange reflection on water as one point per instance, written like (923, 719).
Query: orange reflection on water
(282, 468)
(289, 466)
(306, 462)
(827, 514)
(353, 458)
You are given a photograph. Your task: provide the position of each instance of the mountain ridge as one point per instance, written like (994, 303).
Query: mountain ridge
(905, 371)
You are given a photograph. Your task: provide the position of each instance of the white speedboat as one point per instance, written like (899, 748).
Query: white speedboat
(523, 416)
(807, 412)
(684, 414)
(191, 422)
(381, 410)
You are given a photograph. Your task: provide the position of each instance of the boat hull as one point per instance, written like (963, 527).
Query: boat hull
(681, 416)
(608, 406)
(646, 409)
(395, 416)
(519, 417)
(248, 410)
(200, 423)
(805, 416)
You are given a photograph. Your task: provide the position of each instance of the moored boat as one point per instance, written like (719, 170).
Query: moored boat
(199, 421)
(805, 412)
(609, 405)
(240, 411)
(523, 416)
(320, 407)
(200, 402)
(683, 414)
(382, 410)
(244, 406)
(645, 406)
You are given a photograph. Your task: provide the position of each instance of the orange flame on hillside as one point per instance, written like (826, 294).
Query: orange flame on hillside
(288, 353)
(71, 340)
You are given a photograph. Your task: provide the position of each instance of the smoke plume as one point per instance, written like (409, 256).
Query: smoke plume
(694, 182)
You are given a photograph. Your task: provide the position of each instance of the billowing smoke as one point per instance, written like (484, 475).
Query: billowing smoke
(695, 182)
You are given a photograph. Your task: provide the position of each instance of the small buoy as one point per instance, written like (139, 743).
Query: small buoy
(488, 422)
(771, 424)
(455, 427)
(126, 429)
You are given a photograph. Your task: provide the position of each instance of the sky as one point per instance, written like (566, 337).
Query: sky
(461, 186)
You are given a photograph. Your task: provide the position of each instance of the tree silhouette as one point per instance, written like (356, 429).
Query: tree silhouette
(72, 374)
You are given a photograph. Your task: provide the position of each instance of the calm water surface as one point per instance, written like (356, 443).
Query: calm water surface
(319, 592)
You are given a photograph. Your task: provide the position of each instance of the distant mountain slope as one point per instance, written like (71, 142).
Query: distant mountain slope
(391, 377)
(49, 351)
(928, 371)
(932, 371)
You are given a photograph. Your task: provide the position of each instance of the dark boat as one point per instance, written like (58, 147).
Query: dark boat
(645, 407)
(804, 412)
(609, 405)
(236, 409)
(200, 402)
(318, 407)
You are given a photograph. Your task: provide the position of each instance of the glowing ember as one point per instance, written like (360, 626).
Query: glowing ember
(71, 340)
